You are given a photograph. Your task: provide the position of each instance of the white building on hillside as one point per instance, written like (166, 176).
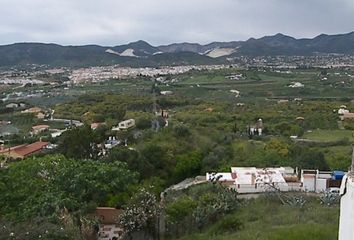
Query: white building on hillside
(320, 181)
(124, 125)
(254, 180)
(297, 85)
(257, 180)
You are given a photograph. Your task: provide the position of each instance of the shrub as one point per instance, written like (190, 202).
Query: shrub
(181, 131)
(228, 224)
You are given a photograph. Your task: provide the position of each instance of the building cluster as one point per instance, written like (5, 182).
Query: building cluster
(99, 74)
(20, 77)
(293, 62)
(247, 180)
(255, 129)
(27, 94)
(19, 81)
(30, 75)
(344, 113)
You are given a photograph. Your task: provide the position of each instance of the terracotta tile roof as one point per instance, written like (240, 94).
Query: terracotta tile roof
(5, 150)
(24, 150)
(96, 125)
(37, 127)
(108, 215)
(348, 115)
(32, 110)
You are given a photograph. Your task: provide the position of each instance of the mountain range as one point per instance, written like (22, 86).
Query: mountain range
(141, 53)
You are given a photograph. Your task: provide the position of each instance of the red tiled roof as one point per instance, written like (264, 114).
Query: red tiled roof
(348, 115)
(37, 127)
(96, 125)
(25, 149)
(108, 215)
(5, 150)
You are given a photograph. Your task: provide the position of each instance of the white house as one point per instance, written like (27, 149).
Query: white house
(12, 105)
(57, 132)
(343, 110)
(124, 125)
(166, 93)
(236, 92)
(256, 129)
(39, 128)
(314, 181)
(256, 180)
(15, 105)
(227, 179)
(318, 181)
(297, 85)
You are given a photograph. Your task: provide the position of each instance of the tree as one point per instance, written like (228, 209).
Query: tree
(187, 165)
(181, 131)
(78, 143)
(38, 228)
(306, 158)
(157, 161)
(49, 186)
(141, 213)
(124, 135)
(131, 158)
(278, 146)
(198, 207)
(143, 123)
(179, 211)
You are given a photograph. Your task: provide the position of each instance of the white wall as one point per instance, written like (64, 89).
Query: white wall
(321, 185)
(260, 188)
(346, 221)
(308, 183)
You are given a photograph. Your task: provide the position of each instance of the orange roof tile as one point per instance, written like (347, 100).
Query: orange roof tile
(37, 127)
(25, 149)
(108, 215)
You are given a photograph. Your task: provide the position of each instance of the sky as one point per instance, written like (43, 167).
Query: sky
(116, 22)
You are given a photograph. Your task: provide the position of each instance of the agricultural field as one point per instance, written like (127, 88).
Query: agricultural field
(264, 84)
(329, 135)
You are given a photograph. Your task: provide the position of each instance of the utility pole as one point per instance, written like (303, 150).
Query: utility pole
(352, 166)
(155, 122)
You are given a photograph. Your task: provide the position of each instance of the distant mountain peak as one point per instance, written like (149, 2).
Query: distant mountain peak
(142, 53)
(280, 35)
(139, 42)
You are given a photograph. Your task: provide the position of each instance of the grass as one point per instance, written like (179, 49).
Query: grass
(266, 219)
(329, 135)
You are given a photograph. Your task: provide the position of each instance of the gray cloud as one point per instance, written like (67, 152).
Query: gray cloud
(113, 22)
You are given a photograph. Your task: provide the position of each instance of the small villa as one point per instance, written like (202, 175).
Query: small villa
(125, 125)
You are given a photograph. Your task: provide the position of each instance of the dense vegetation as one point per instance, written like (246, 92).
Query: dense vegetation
(59, 191)
(266, 219)
(207, 130)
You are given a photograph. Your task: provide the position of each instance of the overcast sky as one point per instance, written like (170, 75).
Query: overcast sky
(115, 22)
